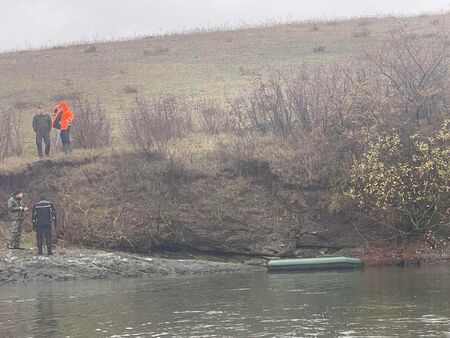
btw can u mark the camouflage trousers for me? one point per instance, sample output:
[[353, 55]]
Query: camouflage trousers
[[16, 233]]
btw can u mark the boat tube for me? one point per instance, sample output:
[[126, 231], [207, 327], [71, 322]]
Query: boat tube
[[322, 263]]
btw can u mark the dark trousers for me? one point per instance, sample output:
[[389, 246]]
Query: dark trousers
[[44, 233], [65, 140], [43, 137]]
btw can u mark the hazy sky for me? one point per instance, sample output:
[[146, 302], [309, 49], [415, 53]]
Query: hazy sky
[[33, 23]]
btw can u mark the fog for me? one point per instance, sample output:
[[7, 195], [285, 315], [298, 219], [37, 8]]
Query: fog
[[34, 23]]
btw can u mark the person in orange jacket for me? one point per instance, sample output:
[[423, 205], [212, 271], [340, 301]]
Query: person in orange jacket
[[62, 120]]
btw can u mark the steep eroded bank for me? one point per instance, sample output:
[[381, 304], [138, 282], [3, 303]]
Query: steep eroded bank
[[136, 203]]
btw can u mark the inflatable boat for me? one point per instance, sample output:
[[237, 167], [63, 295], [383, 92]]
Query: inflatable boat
[[323, 263]]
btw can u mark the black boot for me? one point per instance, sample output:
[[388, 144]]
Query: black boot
[[39, 251], [49, 251]]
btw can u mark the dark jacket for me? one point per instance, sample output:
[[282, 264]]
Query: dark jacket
[[42, 124], [43, 214], [14, 208]]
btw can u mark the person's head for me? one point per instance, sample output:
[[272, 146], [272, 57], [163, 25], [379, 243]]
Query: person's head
[[42, 198], [57, 110], [40, 109], [18, 194]]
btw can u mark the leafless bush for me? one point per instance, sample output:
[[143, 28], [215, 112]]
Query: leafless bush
[[435, 22], [157, 121], [316, 97], [90, 49], [21, 105], [10, 134], [91, 126], [237, 154], [314, 28], [363, 22], [332, 22], [68, 82], [319, 49], [157, 50], [265, 108], [364, 33], [130, 89], [211, 116], [249, 71], [415, 72]]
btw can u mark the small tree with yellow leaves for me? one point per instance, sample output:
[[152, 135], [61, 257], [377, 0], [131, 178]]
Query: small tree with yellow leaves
[[404, 182]]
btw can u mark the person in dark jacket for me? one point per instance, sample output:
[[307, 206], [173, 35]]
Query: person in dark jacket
[[16, 212], [43, 215], [42, 125]]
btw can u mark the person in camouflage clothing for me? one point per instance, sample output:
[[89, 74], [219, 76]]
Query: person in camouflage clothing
[[16, 211]]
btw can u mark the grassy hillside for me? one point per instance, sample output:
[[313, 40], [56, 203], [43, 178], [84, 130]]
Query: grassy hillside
[[209, 64]]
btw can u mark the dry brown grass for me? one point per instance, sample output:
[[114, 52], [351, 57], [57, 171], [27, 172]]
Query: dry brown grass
[[205, 64]]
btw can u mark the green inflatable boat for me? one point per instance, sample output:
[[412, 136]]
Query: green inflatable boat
[[322, 263]]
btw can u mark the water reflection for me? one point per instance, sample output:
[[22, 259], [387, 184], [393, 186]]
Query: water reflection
[[377, 302], [44, 316]]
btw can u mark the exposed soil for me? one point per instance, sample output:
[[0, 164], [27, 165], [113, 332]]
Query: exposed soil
[[25, 265]]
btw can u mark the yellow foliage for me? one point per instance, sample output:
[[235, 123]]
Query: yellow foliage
[[411, 179]]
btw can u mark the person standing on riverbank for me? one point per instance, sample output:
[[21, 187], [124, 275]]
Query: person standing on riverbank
[[42, 125], [43, 215], [62, 121], [16, 211]]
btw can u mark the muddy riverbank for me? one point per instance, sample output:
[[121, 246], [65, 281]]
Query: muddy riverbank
[[25, 265]]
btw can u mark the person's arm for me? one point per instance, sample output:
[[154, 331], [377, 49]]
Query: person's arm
[[53, 209], [49, 123], [70, 119], [34, 123], [13, 207], [33, 217]]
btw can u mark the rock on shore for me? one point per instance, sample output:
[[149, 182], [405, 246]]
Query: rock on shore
[[22, 266]]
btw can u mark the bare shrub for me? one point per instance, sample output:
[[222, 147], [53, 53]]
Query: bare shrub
[[91, 126], [415, 72], [364, 33], [21, 105], [130, 89], [363, 22], [435, 22], [157, 50], [237, 154], [332, 22], [265, 107], [319, 49], [315, 97], [10, 134], [314, 28], [68, 82], [211, 116], [335, 83], [157, 121], [90, 49], [249, 71]]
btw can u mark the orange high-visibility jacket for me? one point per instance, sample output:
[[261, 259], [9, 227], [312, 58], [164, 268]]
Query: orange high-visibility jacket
[[62, 117]]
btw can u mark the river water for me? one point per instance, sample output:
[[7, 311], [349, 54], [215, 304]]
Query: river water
[[377, 302]]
